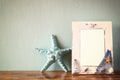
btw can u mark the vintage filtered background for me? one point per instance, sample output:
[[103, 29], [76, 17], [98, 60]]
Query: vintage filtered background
[[27, 24]]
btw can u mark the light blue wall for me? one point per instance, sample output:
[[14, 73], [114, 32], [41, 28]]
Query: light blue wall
[[27, 24]]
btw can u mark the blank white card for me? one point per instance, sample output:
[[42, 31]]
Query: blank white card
[[91, 47]]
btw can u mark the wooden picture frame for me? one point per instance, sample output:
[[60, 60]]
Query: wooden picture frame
[[92, 49]]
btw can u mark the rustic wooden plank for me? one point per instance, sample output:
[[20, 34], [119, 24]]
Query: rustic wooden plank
[[54, 75]]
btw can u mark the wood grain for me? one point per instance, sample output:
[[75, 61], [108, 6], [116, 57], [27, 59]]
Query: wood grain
[[55, 75]]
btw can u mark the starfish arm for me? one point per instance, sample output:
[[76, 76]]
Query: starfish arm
[[67, 50], [43, 51], [47, 65], [62, 65], [54, 41]]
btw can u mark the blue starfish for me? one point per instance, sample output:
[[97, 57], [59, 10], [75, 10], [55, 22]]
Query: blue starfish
[[54, 54]]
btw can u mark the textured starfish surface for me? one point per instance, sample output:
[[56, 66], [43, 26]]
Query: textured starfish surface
[[54, 54]]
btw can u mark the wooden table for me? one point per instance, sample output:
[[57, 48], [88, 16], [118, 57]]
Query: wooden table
[[53, 75]]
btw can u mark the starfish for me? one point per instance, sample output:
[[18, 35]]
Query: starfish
[[108, 60], [54, 54]]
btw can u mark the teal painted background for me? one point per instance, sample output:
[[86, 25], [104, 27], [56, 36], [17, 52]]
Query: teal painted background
[[27, 24]]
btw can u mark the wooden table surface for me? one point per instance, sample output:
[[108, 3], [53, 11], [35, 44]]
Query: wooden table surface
[[53, 75]]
